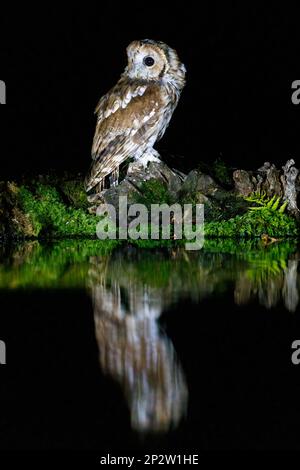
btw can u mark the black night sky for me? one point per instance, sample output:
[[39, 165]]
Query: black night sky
[[241, 62]]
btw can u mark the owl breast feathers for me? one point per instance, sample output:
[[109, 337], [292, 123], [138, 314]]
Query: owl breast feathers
[[135, 113]]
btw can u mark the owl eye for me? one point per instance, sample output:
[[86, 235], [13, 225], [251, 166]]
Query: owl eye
[[148, 61]]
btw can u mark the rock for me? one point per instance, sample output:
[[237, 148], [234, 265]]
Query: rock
[[288, 179], [125, 188], [14, 223], [137, 174], [133, 184], [243, 182], [271, 181], [196, 181]]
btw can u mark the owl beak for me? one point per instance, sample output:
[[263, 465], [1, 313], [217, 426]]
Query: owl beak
[[139, 71]]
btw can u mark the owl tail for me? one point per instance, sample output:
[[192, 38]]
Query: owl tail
[[95, 183], [96, 179]]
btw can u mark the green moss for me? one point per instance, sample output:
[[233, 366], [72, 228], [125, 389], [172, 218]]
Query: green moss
[[219, 171], [51, 217], [222, 206], [255, 224], [75, 193], [153, 192]]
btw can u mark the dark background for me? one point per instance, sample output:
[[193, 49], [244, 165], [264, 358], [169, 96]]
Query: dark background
[[241, 62]]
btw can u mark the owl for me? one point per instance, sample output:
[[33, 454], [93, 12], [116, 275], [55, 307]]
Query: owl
[[135, 113]]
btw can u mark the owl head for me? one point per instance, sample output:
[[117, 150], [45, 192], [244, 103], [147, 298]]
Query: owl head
[[154, 61]]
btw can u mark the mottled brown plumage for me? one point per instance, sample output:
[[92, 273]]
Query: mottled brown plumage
[[134, 114]]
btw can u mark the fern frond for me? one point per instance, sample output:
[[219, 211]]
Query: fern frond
[[263, 202], [283, 207]]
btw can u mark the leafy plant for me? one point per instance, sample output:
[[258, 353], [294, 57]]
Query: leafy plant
[[266, 203]]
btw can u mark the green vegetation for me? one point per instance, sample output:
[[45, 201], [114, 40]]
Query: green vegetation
[[219, 171], [153, 192], [56, 208], [265, 203], [255, 224], [74, 192], [227, 215], [50, 217], [267, 216]]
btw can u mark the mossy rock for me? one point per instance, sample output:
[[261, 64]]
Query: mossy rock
[[36, 209], [75, 193], [14, 222]]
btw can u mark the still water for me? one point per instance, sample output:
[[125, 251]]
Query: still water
[[149, 349]]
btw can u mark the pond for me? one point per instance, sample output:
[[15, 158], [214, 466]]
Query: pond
[[149, 349]]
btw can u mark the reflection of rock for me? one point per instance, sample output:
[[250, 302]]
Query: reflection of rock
[[136, 353], [269, 291], [290, 291], [243, 290], [269, 286]]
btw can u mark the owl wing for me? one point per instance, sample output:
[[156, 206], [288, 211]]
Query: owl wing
[[125, 122]]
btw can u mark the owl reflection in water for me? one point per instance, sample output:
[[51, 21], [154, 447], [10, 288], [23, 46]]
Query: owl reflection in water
[[135, 113]]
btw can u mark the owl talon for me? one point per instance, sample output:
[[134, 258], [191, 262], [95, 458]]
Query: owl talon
[[147, 158], [114, 178]]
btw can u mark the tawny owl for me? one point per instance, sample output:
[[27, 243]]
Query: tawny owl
[[135, 113]]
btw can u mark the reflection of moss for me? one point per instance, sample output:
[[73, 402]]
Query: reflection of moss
[[63, 264], [67, 263]]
